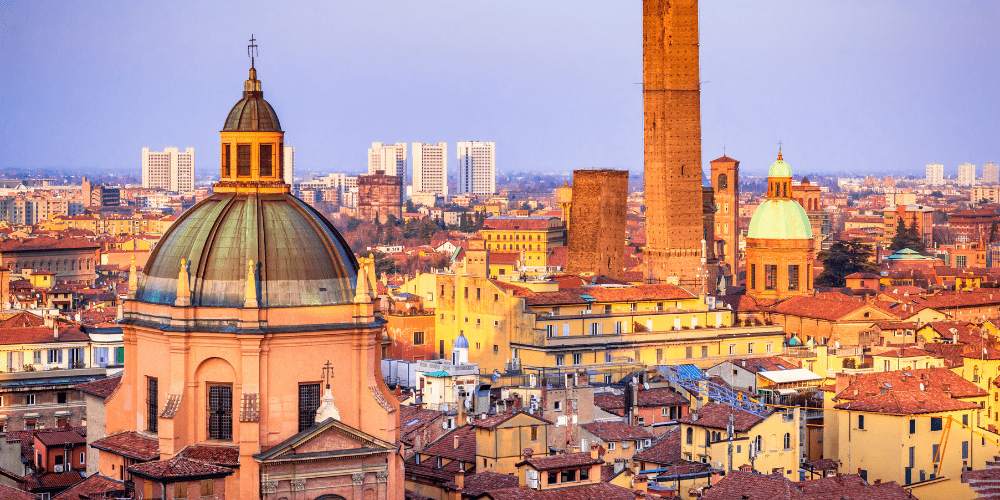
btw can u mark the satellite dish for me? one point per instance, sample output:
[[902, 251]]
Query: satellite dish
[[921, 386], [645, 385], [836, 343]]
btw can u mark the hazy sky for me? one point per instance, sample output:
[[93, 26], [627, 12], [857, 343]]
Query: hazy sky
[[849, 86]]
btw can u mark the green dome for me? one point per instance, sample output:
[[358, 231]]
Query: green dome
[[779, 169], [781, 219]]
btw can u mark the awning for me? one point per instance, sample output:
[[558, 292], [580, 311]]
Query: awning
[[786, 392]]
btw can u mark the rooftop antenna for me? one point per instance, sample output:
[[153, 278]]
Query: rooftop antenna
[[252, 49]]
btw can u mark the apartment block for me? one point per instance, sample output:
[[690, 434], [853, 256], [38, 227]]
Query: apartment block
[[476, 167], [170, 169], [430, 168]]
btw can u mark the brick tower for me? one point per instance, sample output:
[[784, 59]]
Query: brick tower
[[726, 185], [597, 236], [672, 136]]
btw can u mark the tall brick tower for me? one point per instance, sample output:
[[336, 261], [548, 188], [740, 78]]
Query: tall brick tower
[[597, 236], [726, 184], [672, 136]]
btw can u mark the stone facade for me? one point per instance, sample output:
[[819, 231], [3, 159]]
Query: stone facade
[[379, 194], [672, 132], [597, 240]]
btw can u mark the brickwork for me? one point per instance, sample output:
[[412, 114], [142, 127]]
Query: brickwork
[[379, 194], [726, 185], [597, 237], [672, 132]]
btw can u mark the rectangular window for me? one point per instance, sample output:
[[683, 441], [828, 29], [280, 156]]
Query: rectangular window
[[61, 397], [913, 428], [704, 351], [934, 452], [418, 338], [753, 276], [595, 328], [55, 356], [220, 412], [76, 358], [534, 433], [550, 330], [861, 421], [553, 478], [912, 456], [243, 153], [793, 277], [466, 292], [965, 449], [152, 403], [560, 359], [225, 163], [308, 404], [479, 294], [732, 349], [770, 277], [577, 359], [266, 161], [584, 474], [687, 352], [935, 423], [180, 490], [29, 399], [568, 476], [750, 348], [101, 356]]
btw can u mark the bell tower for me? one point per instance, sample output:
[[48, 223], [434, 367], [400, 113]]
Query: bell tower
[[726, 186]]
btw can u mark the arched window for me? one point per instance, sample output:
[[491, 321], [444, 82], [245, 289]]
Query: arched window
[[690, 436], [723, 182], [788, 441]]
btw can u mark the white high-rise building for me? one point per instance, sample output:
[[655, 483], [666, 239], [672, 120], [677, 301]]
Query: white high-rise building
[[289, 153], [966, 174], [477, 173], [991, 173], [935, 174], [390, 158], [169, 169], [430, 168]]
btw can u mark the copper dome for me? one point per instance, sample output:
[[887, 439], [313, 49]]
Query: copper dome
[[252, 114]]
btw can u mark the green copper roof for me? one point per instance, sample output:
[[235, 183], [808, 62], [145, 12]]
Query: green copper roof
[[300, 259], [779, 169], [907, 254], [781, 219], [438, 374]]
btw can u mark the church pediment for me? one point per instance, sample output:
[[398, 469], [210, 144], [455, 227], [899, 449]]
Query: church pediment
[[328, 438]]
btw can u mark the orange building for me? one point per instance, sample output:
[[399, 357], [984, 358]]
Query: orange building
[[779, 241], [252, 342], [726, 183]]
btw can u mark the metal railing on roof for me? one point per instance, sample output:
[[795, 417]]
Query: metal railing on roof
[[716, 392]]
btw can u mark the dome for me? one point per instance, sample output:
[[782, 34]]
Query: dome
[[779, 169], [461, 342], [782, 219], [252, 114], [300, 258]]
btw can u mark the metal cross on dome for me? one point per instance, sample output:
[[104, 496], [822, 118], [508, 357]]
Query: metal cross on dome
[[252, 49], [327, 372]]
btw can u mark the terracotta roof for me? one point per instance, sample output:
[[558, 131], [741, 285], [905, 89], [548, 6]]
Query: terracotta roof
[[444, 446], [504, 258], [481, 482], [101, 388], [443, 476], [20, 319], [616, 431], [862, 276], [9, 493], [492, 421], [905, 352], [40, 244], [41, 335], [412, 419], [130, 444], [94, 485], [563, 461], [926, 380], [228, 456], [907, 403], [59, 438], [636, 293], [666, 449], [178, 469], [827, 308], [59, 479], [660, 396], [599, 491], [716, 416], [517, 223]]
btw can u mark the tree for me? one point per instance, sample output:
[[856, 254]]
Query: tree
[[844, 258], [907, 237], [383, 264], [409, 206], [937, 194], [525, 206]]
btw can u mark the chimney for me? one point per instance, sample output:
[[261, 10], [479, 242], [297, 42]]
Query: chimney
[[527, 453], [456, 443], [639, 483], [595, 452], [55, 330], [460, 481]]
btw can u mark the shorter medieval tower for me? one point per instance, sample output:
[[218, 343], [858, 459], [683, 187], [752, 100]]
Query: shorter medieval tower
[[597, 238]]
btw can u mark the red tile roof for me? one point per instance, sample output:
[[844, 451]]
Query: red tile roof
[[481, 482], [830, 307], [8, 493], [768, 364], [178, 469], [444, 446], [504, 258], [926, 380], [413, 419], [216, 455], [96, 486], [563, 461], [101, 388], [599, 491], [666, 450], [59, 479], [656, 397], [59, 438], [130, 444], [634, 293], [716, 416], [493, 421], [41, 335], [907, 403], [616, 431], [41, 244]]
